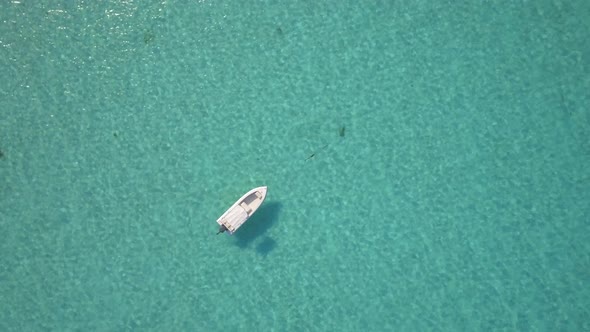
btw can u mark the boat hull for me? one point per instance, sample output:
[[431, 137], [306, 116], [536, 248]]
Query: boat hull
[[242, 210]]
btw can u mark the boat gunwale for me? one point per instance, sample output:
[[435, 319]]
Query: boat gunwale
[[263, 190]]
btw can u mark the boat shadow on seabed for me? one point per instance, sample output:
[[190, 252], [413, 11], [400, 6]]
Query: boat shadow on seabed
[[257, 225]]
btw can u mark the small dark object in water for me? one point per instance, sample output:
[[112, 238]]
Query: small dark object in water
[[313, 154], [148, 37], [115, 134], [222, 229], [342, 131], [279, 30], [1, 154]]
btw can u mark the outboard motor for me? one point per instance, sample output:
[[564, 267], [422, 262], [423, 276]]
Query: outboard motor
[[222, 229]]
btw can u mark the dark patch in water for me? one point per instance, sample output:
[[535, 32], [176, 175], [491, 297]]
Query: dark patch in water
[[266, 216], [148, 37], [266, 246]]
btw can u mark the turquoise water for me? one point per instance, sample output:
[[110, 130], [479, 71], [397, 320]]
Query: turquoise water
[[427, 165]]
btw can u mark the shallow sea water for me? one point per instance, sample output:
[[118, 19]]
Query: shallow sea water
[[427, 166]]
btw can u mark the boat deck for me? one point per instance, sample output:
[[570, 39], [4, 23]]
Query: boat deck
[[235, 218], [242, 209]]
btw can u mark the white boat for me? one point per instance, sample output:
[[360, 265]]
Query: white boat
[[243, 209]]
